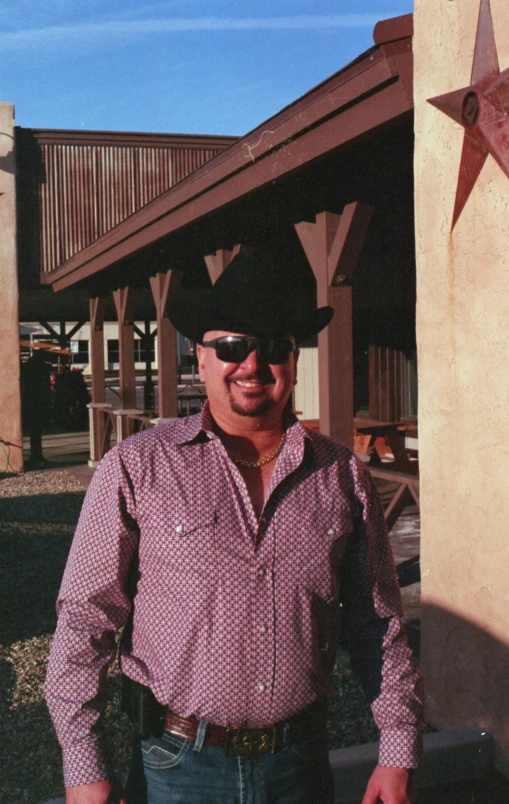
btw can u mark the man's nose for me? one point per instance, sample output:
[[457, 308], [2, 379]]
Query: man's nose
[[252, 361]]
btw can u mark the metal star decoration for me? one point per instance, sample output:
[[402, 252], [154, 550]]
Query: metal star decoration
[[482, 109]]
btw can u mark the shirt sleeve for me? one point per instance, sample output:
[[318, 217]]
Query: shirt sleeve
[[92, 605], [372, 617]]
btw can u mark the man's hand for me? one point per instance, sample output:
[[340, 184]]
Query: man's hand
[[95, 793], [391, 786]]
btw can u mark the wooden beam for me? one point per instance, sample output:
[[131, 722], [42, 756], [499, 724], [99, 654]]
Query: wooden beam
[[74, 330], [50, 330], [164, 287], [216, 263], [332, 245], [348, 241], [125, 302], [399, 502]]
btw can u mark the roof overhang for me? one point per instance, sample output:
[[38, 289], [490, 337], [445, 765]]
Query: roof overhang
[[368, 93], [60, 136]]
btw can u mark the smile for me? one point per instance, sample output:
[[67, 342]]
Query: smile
[[248, 383]]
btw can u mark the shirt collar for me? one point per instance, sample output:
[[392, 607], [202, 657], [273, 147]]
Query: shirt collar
[[190, 428]]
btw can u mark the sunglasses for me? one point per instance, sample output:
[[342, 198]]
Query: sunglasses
[[235, 348]]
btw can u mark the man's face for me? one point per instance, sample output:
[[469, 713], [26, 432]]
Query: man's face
[[253, 388]]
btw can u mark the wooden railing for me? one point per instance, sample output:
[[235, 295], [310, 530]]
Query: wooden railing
[[406, 493], [104, 422], [141, 421], [403, 487]]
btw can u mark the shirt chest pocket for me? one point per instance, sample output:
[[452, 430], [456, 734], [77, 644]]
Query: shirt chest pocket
[[323, 542], [190, 546]]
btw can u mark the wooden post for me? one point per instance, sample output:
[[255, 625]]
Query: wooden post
[[97, 307], [332, 245], [164, 287], [125, 300], [147, 339], [148, 390]]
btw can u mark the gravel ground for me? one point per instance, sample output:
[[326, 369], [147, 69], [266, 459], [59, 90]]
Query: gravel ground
[[38, 514]]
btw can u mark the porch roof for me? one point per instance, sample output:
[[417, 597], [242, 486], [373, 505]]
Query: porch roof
[[370, 92]]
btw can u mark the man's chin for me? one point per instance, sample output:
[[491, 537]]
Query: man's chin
[[253, 408]]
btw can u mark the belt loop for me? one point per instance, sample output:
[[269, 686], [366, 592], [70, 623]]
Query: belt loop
[[286, 732], [200, 736]]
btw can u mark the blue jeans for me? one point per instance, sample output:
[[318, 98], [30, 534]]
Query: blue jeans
[[173, 770]]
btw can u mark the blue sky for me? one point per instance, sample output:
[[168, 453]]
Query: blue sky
[[190, 66]]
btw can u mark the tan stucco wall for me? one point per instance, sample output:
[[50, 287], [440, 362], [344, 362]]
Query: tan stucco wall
[[10, 413], [463, 353]]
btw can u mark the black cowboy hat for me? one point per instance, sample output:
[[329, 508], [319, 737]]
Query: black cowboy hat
[[253, 297]]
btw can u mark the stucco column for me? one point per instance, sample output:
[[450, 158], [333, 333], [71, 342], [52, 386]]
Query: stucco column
[[11, 445], [463, 354]]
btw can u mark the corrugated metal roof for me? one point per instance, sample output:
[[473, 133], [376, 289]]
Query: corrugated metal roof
[[73, 187]]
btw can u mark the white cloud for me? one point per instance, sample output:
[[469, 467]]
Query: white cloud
[[56, 35]]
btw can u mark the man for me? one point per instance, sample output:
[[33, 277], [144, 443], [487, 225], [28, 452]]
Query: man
[[254, 541], [36, 403]]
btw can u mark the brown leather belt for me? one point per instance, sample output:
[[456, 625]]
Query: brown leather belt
[[250, 741]]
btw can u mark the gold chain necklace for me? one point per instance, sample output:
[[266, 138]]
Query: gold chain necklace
[[261, 461]]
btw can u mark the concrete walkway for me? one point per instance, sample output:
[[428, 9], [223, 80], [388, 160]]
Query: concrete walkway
[[55, 446], [65, 451]]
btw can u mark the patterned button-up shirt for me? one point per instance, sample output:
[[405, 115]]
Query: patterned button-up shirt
[[235, 620]]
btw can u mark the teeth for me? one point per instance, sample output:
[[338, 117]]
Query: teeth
[[246, 384]]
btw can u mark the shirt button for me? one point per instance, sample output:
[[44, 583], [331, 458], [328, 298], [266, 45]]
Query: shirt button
[[179, 528], [261, 571], [263, 629], [262, 687], [331, 531]]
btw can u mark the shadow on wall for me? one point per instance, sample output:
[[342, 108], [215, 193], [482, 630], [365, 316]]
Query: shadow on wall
[[466, 672], [7, 163]]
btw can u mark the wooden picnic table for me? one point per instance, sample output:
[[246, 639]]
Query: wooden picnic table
[[367, 433], [370, 431]]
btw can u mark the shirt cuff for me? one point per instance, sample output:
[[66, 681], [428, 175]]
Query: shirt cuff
[[401, 748], [84, 763]]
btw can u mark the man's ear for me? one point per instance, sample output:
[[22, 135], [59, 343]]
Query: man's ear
[[296, 354], [200, 354]]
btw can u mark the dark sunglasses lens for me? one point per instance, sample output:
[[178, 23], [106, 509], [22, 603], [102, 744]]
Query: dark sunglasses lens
[[280, 351], [236, 349], [232, 351], [264, 350], [275, 352]]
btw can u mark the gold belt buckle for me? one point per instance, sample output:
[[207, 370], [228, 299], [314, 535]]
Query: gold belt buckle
[[250, 742]]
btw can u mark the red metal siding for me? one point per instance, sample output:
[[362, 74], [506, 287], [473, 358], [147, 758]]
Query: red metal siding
[[385, 383], [82, 189], [185, 161]]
